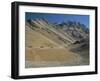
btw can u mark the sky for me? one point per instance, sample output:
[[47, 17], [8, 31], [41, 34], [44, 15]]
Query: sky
[[59, 18]]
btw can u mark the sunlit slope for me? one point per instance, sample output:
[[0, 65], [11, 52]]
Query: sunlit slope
[[42, 51]]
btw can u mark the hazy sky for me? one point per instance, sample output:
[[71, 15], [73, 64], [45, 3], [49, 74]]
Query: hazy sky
[[58, 18]]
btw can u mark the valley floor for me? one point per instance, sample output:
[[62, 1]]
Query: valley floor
[[51, 57]]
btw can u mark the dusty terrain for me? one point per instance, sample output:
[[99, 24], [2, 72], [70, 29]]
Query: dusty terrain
[[44, 49]]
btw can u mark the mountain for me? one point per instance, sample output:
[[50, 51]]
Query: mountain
[[66, 33], [66, 43]]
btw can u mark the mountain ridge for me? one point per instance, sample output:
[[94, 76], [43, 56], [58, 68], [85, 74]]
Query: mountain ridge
[[71, 34]]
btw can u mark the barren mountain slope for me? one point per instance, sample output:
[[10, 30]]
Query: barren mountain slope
[[43, 52], [49, 44]]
